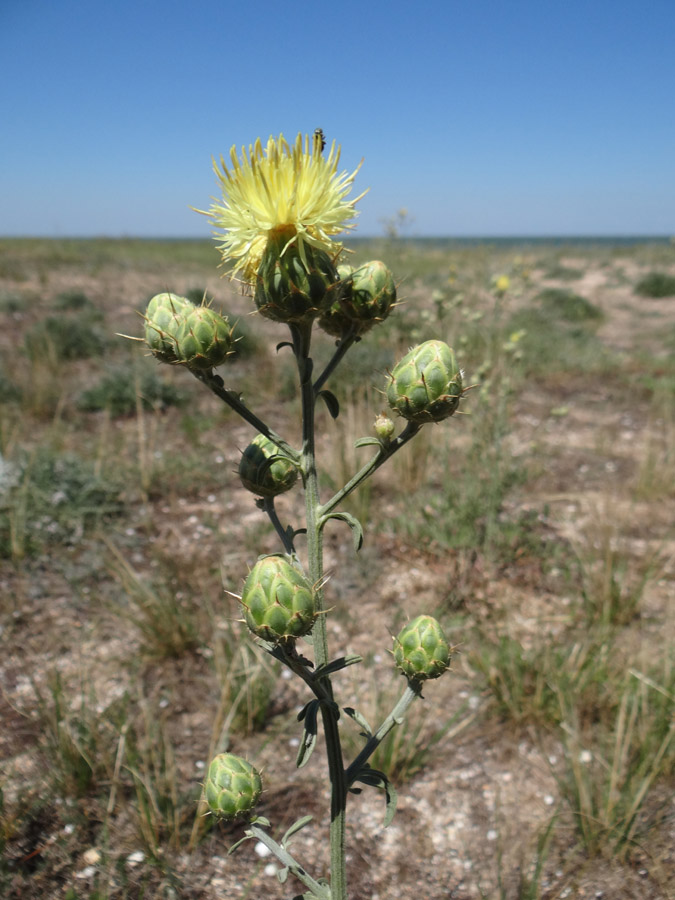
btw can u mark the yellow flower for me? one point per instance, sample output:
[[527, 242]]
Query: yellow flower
[[295, 191]]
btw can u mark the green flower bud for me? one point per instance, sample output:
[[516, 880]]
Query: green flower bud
[[426, 384], [204, 339], [163, 319], [292, 286], [366, 298], [278, 600], [232, 787], [384, 428], [421, 650], [264, 471]]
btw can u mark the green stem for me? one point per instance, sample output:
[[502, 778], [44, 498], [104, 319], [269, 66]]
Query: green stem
[[285, 538], [395, 717], [284, 857], [343, 345], [382, 455], [215, 384], [301, 343]]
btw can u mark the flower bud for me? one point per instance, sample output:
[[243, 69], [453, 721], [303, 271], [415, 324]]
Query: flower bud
[[264, 471], [204, 339], [163, 319], [232, 787], [366, 297], [426, 384], [278, 600], [384, 428], [421, 650], [294, 286]]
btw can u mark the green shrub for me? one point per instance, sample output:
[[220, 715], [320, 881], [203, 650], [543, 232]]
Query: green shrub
[[51, 498], [9, 392], [63, 338], [569, 306], [119, 393], [656, 285], [73, 299]]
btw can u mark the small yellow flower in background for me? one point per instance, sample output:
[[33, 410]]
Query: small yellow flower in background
[[502, 284], [281, 189]]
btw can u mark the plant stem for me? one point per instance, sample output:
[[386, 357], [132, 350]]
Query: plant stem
[[215, 384], [342, 346], [394, 718], [301, 344], [284, 537], [318, 890], [382, 455]]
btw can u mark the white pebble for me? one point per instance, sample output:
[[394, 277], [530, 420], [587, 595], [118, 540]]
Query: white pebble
[[136, 857], [270, 870], [262, 850], [89, 872], [491, 835]]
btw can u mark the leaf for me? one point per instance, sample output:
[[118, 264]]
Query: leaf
[[282, 875], [360, 720], [247, 837], [367, 442], [308, 741], [331, 401], [352, 521], [336, 665], [295, 827], [375, 778]]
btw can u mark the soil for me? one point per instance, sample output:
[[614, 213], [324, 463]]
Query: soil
[[468, 821]]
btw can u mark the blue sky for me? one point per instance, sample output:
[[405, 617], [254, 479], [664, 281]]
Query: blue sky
[[481, 118]]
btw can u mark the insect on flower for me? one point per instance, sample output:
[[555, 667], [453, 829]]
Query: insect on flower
[[320, 138]]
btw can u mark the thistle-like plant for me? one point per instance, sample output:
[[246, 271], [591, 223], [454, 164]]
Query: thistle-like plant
[[281, 207]]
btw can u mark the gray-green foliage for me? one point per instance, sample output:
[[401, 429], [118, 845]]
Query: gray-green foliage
[[49, 497], [120, 394], [64, 338], [656, 285]]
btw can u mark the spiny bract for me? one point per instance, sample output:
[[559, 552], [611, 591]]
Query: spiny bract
[[295, 283], [163, 318], [232, 787], [264, 471], [426, 385], [421, 650], [366, 297], [278, 600], [204, 338]]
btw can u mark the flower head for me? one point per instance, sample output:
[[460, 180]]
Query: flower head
[[295, 191]]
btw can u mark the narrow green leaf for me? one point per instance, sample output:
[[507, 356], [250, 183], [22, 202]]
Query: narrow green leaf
[[308, 742], [295, 827], [360, 720], [247, 837], [367, 442], [352, 521], [282, 875], [336, 665]]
